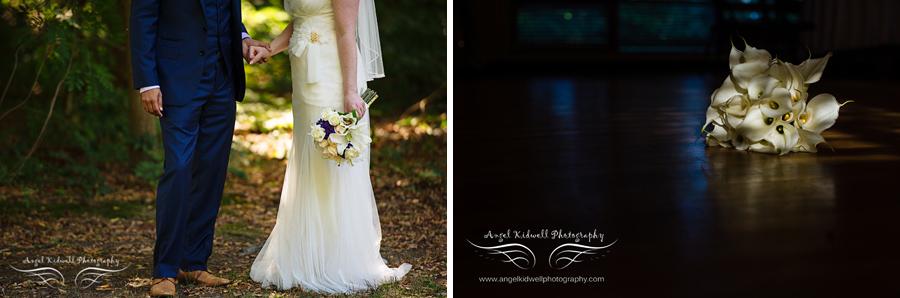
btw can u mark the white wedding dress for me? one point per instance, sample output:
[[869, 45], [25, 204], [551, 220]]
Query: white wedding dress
[[327, 234]]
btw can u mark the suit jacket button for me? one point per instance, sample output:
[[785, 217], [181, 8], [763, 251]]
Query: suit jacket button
[[202, 53]]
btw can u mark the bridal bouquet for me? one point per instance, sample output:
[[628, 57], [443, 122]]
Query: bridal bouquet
[[340, 136], [762, 105]]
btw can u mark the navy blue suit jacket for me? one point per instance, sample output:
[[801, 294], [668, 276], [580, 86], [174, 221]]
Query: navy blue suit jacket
[[167, 37]]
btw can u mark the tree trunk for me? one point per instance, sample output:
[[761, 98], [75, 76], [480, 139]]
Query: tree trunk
[[142, 125], [141, 122]]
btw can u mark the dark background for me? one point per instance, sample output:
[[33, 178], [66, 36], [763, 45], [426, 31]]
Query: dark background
[[583, 115], [536, 35]]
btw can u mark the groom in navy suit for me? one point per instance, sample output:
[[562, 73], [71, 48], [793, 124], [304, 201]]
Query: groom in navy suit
[[186, 60]]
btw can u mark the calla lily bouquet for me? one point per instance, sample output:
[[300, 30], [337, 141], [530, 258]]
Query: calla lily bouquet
[[340, 136], [762, 105]]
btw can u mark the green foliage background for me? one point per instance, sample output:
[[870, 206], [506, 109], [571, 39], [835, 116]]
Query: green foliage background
[[89, 125], [413, 42], [88, 132]]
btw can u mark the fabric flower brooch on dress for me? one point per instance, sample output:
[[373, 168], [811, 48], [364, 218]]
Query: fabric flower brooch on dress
[[762, 105], [340, 136]]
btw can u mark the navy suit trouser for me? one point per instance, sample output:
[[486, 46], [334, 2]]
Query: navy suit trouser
[[197, 141]]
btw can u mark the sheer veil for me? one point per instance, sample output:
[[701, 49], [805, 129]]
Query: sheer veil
[[368, 41]]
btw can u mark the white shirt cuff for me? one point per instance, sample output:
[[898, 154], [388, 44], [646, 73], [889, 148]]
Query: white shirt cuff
[[149, 88], [244, 35]]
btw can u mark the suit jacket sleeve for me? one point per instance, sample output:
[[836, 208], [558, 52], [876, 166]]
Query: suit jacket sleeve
[[143, 25]]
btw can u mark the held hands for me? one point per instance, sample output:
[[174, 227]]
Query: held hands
[[152, 100], [259, 53], [248, 43], [352, 101]]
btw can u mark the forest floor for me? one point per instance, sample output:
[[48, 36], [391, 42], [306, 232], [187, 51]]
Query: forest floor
[[43, 227]]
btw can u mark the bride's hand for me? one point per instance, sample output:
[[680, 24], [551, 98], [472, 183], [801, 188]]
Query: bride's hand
[[259, 53], [354, 102]]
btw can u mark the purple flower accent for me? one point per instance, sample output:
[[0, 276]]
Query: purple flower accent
[[326, 126]]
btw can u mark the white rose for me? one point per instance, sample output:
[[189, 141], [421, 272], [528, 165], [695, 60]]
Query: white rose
[[351, 153], [327, 112], [318, 134], [330, 151], [334, 119]]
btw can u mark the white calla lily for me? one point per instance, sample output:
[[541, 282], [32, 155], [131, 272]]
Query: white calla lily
[[714, 116], [725, 92], [821, 113], [735, 57], [718, 136], [359, 137], [798, 96], [752, 54], [812, 69], [762, 146], [749, 54], [788, 77], [761, 86], [792, 117], [712, 142], [340, 140], [736, 109], [740, 143], [779, 71], [808, 141], [744, 72], [756, 125], [778, 104], [784, 138], [797, 81]]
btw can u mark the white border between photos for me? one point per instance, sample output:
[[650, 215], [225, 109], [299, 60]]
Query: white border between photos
[[450, 148]]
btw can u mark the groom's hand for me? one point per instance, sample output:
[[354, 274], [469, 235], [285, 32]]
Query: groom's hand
[[152, 100], [258, 54], [249, 42]]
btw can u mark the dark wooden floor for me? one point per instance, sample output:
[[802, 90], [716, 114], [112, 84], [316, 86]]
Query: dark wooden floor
[[622, 154]]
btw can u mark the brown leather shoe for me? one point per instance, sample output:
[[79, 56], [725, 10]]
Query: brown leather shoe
[[162, 287], [203, 278]]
